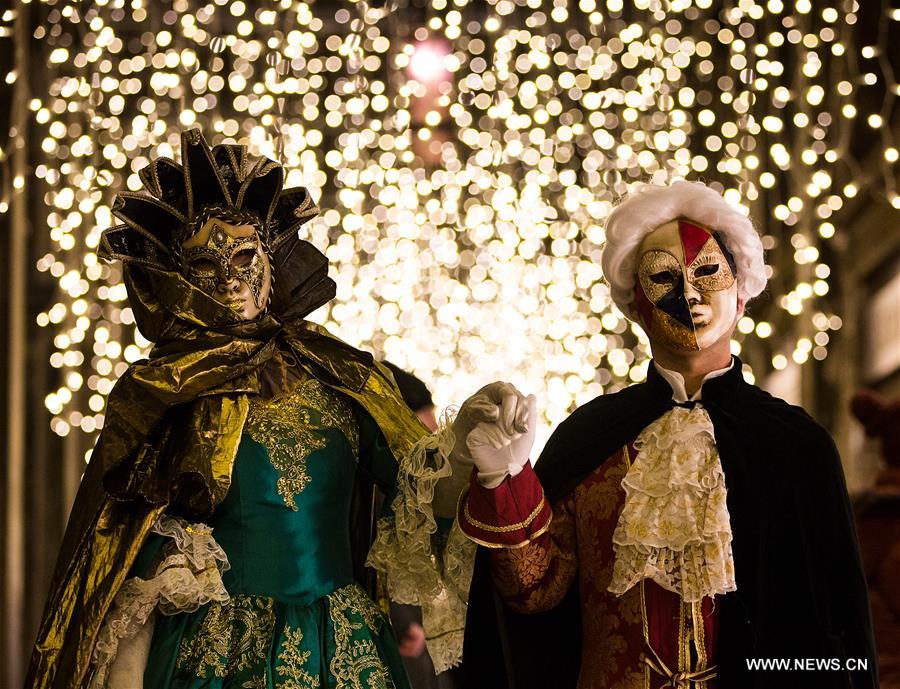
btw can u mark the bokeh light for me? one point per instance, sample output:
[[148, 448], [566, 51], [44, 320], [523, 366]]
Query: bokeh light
[[427, 63], [465, 156]]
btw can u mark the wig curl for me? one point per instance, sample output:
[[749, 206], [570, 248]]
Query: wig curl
[[648, 206]]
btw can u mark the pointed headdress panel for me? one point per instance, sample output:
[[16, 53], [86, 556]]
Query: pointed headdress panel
[[155, 222]]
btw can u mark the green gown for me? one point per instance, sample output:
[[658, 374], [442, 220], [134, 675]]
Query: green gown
[[296, 619]]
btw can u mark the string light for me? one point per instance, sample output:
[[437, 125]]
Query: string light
[[466, 158]]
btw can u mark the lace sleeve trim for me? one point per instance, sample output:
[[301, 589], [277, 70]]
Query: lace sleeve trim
[[188, 576], [406, 549]]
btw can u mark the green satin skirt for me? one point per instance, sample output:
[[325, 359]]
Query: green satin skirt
[[340, 641]]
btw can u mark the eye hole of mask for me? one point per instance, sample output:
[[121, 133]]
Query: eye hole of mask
[[203, 266], [664, 277], [243, 258], [707, 270]]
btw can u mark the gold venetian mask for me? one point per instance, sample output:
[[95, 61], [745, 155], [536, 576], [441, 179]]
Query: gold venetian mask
[[228, 262], [686, 292]]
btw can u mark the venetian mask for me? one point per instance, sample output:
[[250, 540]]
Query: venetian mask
[[229, 263], [686, 292]]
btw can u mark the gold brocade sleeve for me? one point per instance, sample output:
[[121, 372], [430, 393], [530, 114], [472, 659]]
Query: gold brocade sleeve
[[536, 576]]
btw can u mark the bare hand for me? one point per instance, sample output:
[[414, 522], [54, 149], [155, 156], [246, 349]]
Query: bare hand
[[412, 645]]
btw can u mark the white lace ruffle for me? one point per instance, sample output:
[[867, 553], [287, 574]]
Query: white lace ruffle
[[418, 573], [674, 527], [190, 575]]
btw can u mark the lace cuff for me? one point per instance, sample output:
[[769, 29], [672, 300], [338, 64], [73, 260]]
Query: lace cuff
[[189, 575], [418, 572]]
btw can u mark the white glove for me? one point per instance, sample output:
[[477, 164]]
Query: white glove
[[496, 406], [500, 444], [485, 406]]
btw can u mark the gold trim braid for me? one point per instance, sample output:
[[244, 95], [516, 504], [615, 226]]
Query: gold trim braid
[[503, 546], [503, 529]]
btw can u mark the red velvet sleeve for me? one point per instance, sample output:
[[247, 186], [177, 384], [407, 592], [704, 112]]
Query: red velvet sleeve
[[534, 562], [508, 516]]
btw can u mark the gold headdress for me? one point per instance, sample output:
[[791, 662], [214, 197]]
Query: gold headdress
[[223, 180]]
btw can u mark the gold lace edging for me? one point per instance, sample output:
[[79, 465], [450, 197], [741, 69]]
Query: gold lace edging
[[189, 576], [417, 574], [674, 526]]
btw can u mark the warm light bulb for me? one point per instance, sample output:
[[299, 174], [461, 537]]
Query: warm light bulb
[[427, 64]]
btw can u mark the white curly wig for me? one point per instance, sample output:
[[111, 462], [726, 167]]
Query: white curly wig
[[648, 206]]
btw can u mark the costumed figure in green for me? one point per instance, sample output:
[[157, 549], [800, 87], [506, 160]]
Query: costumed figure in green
[[223, 535]]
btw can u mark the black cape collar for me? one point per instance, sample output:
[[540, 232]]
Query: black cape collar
[[571, 454], [715, 390]]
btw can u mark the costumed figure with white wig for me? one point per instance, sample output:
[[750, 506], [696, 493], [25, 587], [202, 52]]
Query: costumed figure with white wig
[[686, 532], [223, 535]]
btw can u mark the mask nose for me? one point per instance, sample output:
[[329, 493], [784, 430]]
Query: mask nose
[[228, 285], [691, 294]]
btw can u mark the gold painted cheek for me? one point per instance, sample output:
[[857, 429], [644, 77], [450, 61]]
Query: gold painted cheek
[[266, 287], [256, 275], [665, 329]]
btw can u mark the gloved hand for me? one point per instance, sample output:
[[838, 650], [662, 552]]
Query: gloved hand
[[500, 422], [495, 431], [502, 448]]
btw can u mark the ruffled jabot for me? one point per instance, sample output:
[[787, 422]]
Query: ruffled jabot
[[674, 527]]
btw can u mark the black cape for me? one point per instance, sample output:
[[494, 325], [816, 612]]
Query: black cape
[[801, 592]]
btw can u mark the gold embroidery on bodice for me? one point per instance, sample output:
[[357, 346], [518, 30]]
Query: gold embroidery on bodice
[[291, 428]]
